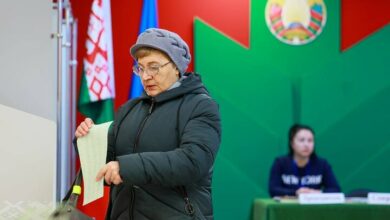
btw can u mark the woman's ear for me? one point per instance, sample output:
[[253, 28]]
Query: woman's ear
[[177, 72]]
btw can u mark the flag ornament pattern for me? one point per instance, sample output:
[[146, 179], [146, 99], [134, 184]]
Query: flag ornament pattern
[[99, 74], [295, 22]]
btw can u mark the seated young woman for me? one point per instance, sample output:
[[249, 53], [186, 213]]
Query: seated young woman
[[301, 171]]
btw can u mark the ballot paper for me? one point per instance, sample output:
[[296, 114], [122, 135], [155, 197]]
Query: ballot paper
[[92, 150]]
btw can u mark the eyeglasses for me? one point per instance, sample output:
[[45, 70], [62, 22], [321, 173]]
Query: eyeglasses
[[151, 70]]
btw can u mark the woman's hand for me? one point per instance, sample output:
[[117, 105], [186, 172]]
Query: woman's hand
[[110, 172], [84, 127], [306, 190]]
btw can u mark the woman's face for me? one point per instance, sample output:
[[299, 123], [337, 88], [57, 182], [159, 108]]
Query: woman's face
[[303, 143], [164, 79]]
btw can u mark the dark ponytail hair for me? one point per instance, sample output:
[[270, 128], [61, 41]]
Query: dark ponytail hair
[[291, 134]]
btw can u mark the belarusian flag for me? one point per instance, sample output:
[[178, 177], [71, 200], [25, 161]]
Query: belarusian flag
[[97, 86]]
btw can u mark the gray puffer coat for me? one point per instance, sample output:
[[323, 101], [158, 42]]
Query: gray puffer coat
[[166, 146]]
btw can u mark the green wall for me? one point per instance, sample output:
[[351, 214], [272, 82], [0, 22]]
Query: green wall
[[344, 96]]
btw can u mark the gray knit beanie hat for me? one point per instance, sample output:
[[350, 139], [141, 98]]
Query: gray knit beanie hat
[[167, 42]]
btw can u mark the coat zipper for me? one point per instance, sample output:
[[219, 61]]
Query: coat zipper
[[188, 207], [131, 212], [142, 126]]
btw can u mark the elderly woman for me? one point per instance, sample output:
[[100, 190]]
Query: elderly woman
[[162, 145]]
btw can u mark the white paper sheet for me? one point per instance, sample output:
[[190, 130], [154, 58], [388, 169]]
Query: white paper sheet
[[92, 150]]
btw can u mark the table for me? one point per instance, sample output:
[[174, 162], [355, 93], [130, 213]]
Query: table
[[269, 209]]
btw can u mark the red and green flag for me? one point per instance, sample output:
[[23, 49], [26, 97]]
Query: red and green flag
[[97, 90]]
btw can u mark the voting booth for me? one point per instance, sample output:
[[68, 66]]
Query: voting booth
[[36, 98]]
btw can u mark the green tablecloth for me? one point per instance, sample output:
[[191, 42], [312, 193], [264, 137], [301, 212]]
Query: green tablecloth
[[268, 209]]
